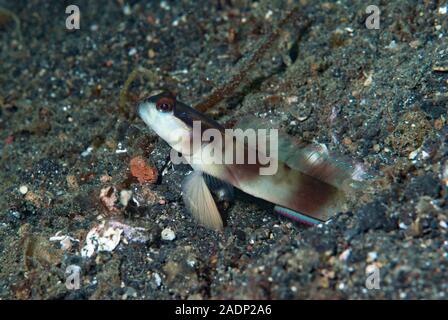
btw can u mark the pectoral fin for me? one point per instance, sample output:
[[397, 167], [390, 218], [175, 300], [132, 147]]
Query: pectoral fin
[[199, 201]]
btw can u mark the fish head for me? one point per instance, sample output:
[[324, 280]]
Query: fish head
[[158, 112]]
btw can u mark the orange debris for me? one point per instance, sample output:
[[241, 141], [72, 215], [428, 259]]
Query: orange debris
[[142, 171]]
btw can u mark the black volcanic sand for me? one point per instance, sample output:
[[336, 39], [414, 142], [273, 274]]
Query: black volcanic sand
[[378, 97]]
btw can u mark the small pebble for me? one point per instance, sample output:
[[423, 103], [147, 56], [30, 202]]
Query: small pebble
[[413, 155], [127, 10], [86, 152], [168, 234], [16, 214], [414, 44], [372, 256], [165, 6], [403, 226], [23, 190], [125, 196], [392, 45], [268, 14], [151, 54], [157, 279]]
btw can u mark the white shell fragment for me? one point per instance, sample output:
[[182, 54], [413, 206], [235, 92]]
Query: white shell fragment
[[103, 237], [168, 234], [108, 197], [64, 240], [418, 154], [132, 234]]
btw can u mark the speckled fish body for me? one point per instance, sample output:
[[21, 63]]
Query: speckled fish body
[[306, 180]]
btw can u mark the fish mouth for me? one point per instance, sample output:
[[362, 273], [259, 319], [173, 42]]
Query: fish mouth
[[144, 112], [144, 105]]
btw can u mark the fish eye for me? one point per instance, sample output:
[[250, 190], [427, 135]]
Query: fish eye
[[165, 104]]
